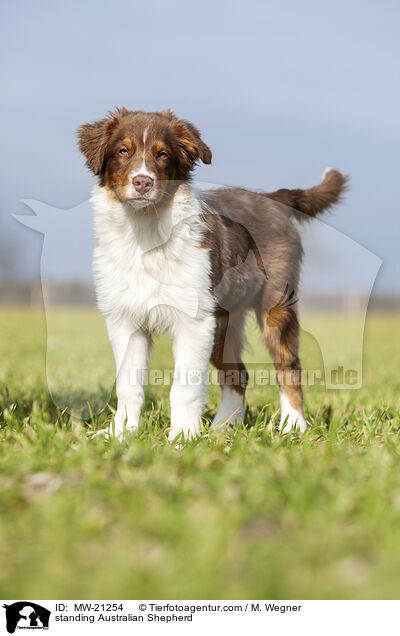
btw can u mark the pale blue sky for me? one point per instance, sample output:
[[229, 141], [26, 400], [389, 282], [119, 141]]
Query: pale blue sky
[[280, 90]]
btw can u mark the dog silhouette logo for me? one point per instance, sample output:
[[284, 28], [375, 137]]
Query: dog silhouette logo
[[26, 615]]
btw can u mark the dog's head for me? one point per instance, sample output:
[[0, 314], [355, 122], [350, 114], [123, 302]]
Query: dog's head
[[141, 157]]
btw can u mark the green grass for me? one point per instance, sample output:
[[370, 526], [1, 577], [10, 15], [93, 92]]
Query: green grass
[[255, 514]]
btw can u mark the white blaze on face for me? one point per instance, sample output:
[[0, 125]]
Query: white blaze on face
[[143, 168], [144, 146]]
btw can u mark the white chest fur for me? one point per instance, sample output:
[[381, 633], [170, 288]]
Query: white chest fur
[[151, 269]]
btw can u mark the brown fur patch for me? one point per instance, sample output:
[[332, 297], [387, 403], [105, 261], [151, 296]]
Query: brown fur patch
[[127, 142], [256, 252], [316, 199], [282, 340], [226, 354]]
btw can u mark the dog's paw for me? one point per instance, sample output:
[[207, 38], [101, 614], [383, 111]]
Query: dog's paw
[[292, 418], [231, 410], [222, 425], [291, 423], [117, 429], [108, 433], [178, 433]]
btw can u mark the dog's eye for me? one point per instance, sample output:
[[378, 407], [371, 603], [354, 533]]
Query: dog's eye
[[123, 151], [163, 154]]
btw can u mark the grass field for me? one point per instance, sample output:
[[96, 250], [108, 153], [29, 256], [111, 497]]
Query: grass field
[[251, 515]]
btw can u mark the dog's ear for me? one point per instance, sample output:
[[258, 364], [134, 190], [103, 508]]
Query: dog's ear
[[191, 146], [93, 140]]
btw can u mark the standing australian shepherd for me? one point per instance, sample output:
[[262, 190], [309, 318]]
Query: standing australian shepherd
[[169, 259]]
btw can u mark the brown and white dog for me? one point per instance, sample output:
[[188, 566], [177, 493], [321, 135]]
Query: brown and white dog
[[169, 259]]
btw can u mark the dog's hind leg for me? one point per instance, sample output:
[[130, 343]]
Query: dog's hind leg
[[280, 330], [232, 374]]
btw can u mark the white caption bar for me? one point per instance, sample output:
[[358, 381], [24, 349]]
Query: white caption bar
[[194, 617]]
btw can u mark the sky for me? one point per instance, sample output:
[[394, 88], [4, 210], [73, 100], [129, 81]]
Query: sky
[[279, 89]]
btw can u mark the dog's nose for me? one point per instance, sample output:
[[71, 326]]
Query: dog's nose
[[142, 183]]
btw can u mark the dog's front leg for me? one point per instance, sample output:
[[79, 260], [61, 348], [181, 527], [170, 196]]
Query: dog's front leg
[[131, 348], [192, 346]]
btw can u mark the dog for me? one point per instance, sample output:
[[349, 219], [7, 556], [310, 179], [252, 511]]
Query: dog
[[170, 259]]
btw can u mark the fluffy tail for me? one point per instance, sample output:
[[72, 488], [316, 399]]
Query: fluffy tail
[[316, 199]]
